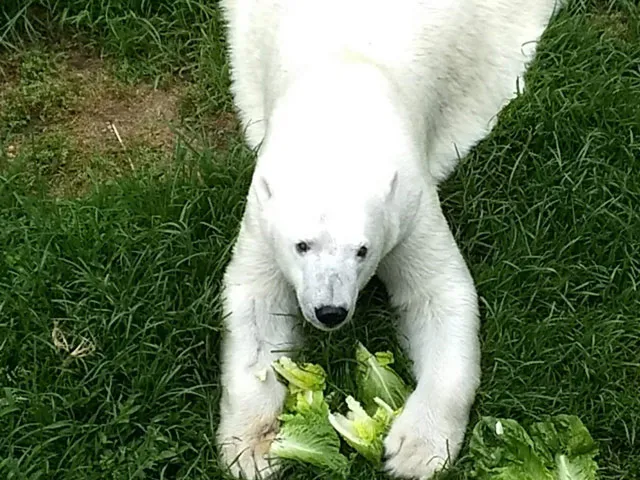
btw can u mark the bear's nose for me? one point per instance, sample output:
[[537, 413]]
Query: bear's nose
[[331, 316]]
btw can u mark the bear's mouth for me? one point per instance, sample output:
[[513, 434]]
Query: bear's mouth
[[326, 328]]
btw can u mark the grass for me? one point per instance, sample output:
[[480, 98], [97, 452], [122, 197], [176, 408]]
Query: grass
[[150, 39], [545, 210]]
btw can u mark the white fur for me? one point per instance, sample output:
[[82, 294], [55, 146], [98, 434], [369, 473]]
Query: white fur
[[360, 109]]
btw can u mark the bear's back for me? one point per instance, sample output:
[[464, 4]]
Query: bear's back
[[456, 61]]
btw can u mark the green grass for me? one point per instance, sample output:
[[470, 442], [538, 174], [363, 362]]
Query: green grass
[[153, 39], [546, 210]]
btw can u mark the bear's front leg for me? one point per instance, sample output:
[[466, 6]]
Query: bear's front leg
[[430, 285], [260, 324]]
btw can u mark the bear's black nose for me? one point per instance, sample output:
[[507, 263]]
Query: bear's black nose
[[331, 316]]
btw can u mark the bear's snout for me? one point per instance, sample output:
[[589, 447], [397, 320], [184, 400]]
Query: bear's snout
[[331, 316]]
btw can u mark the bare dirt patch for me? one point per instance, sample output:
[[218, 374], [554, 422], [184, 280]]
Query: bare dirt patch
[[140, 113], [104, 128]]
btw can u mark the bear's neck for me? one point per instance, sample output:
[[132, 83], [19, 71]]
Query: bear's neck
[[349, 113]]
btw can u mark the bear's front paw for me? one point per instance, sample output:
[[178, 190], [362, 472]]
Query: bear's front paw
[[244, 451], [418, 446]]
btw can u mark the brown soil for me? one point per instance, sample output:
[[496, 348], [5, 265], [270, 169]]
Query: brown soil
[[110, 116], [108, 122]]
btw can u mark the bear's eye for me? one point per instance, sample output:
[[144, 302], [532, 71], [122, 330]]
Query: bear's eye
[[362, 252], [302, 247]]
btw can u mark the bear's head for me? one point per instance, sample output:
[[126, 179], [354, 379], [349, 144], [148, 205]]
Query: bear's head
[[327, 241]]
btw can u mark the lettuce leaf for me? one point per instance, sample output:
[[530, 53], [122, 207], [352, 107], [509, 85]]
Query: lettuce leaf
[[309, 437], [375, 378], [558, 448], [363, 432], [307, 376], [574, 449]]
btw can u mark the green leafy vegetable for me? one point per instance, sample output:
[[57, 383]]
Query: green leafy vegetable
[[559, 448], [502, 449], [307, 376], [574, 449], [309, 432], [309, 437], [375, 378], [305, 433], [363, 432]]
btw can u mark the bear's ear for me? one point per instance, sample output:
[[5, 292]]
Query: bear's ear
[[263, 191], [391, 189]]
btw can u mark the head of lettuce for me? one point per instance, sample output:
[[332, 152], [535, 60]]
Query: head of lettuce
[[310, 433]]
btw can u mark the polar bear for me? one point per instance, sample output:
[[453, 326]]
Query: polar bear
[[358, 109]]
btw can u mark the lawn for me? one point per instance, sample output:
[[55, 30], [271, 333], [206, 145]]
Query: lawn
[[122, 182]]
